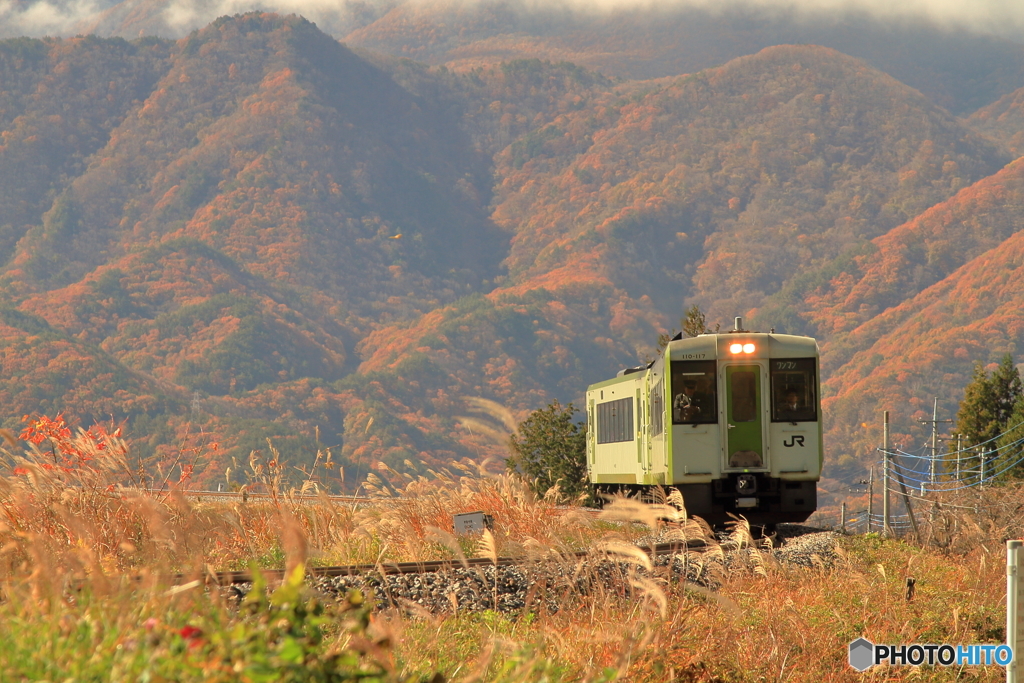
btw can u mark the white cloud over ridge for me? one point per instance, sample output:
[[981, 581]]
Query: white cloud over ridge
[[42, 18], [998, 17], [60, 17], [989, 16]]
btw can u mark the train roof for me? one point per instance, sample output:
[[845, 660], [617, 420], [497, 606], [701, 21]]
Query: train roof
[[779, 345], [716, 346], [627, 375]]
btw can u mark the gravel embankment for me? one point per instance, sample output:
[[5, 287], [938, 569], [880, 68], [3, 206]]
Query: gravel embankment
[[819, 549], [548, 585]]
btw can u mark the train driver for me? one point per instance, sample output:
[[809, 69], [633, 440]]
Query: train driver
[[792, 408], [684, 406], [694, 404]]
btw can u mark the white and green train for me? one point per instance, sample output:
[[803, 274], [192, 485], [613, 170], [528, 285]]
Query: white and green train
[[732, 420]]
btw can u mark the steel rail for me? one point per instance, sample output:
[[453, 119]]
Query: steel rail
[[261, 495], [227, 578]]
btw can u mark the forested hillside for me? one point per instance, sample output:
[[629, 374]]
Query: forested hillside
[[254, 232], [728, 184], [1003, 120], [58, 105], [924, 346], [268, 200], [957, 69]]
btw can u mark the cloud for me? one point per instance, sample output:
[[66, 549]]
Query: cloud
[[986, 16], [177, 17], [333, 16], [169, 18], [44, 17], [1003, 17]]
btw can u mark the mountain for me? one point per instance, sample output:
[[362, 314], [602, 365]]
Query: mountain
[[223, 147], [1003, 120], [650, 195], [257, 239], [957, 69], [724, 186], [59, 102], [247, 221], [922, 347], [897, 266]]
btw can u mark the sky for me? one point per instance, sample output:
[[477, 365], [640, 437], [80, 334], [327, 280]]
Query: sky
[[37, 19], [61, 17]]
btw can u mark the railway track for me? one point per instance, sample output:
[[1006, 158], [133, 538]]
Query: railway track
[[227, 578], [249, 495], [512, 585]]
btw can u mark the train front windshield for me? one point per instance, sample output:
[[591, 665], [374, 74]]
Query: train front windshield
[[694, 392], [794, 390]]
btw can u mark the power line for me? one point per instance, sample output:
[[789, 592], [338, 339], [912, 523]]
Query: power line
[[961, 483], [993, 459]]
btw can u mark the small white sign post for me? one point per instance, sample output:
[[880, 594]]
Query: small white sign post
[[1015, 608]]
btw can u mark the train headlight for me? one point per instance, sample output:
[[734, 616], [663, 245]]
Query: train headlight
[[748, 348], [736, 348]]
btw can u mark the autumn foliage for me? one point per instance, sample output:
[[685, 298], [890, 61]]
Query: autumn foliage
[[257, 238]]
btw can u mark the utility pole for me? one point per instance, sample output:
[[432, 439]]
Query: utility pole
[[842, 517], [886, 528], [984, 456], [935, 436], [871, 496], [935, 430], [906, 502], [959, 448]]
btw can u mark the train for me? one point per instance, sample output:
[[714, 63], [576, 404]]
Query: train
[[732, 420]]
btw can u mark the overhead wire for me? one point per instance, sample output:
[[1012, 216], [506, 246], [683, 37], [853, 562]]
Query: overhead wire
[[970, 477], [906, 475], [924, 480], [970, 450], [933, 501]]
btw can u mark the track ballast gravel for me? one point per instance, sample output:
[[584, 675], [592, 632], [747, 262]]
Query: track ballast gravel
[[549, 585]]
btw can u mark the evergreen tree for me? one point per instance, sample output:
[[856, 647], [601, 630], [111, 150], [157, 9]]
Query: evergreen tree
[[988, 402], [551, 448], [695, 323], [988, 408], [975, 419], [1007, 388], [1010, 451]]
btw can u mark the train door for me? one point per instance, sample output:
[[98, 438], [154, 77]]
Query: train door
[[745, 436], [645, 400], [591, 438], [643, 456]]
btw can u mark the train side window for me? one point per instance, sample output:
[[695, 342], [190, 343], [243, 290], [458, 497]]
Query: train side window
[[615, 421], [694, 392], [794, 390]]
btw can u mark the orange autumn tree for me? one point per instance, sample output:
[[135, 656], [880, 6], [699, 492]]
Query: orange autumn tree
[[84, 456], [71, 451]]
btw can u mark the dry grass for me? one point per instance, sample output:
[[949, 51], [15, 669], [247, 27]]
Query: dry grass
[[87, 524], [962, 521], [88, 517]]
